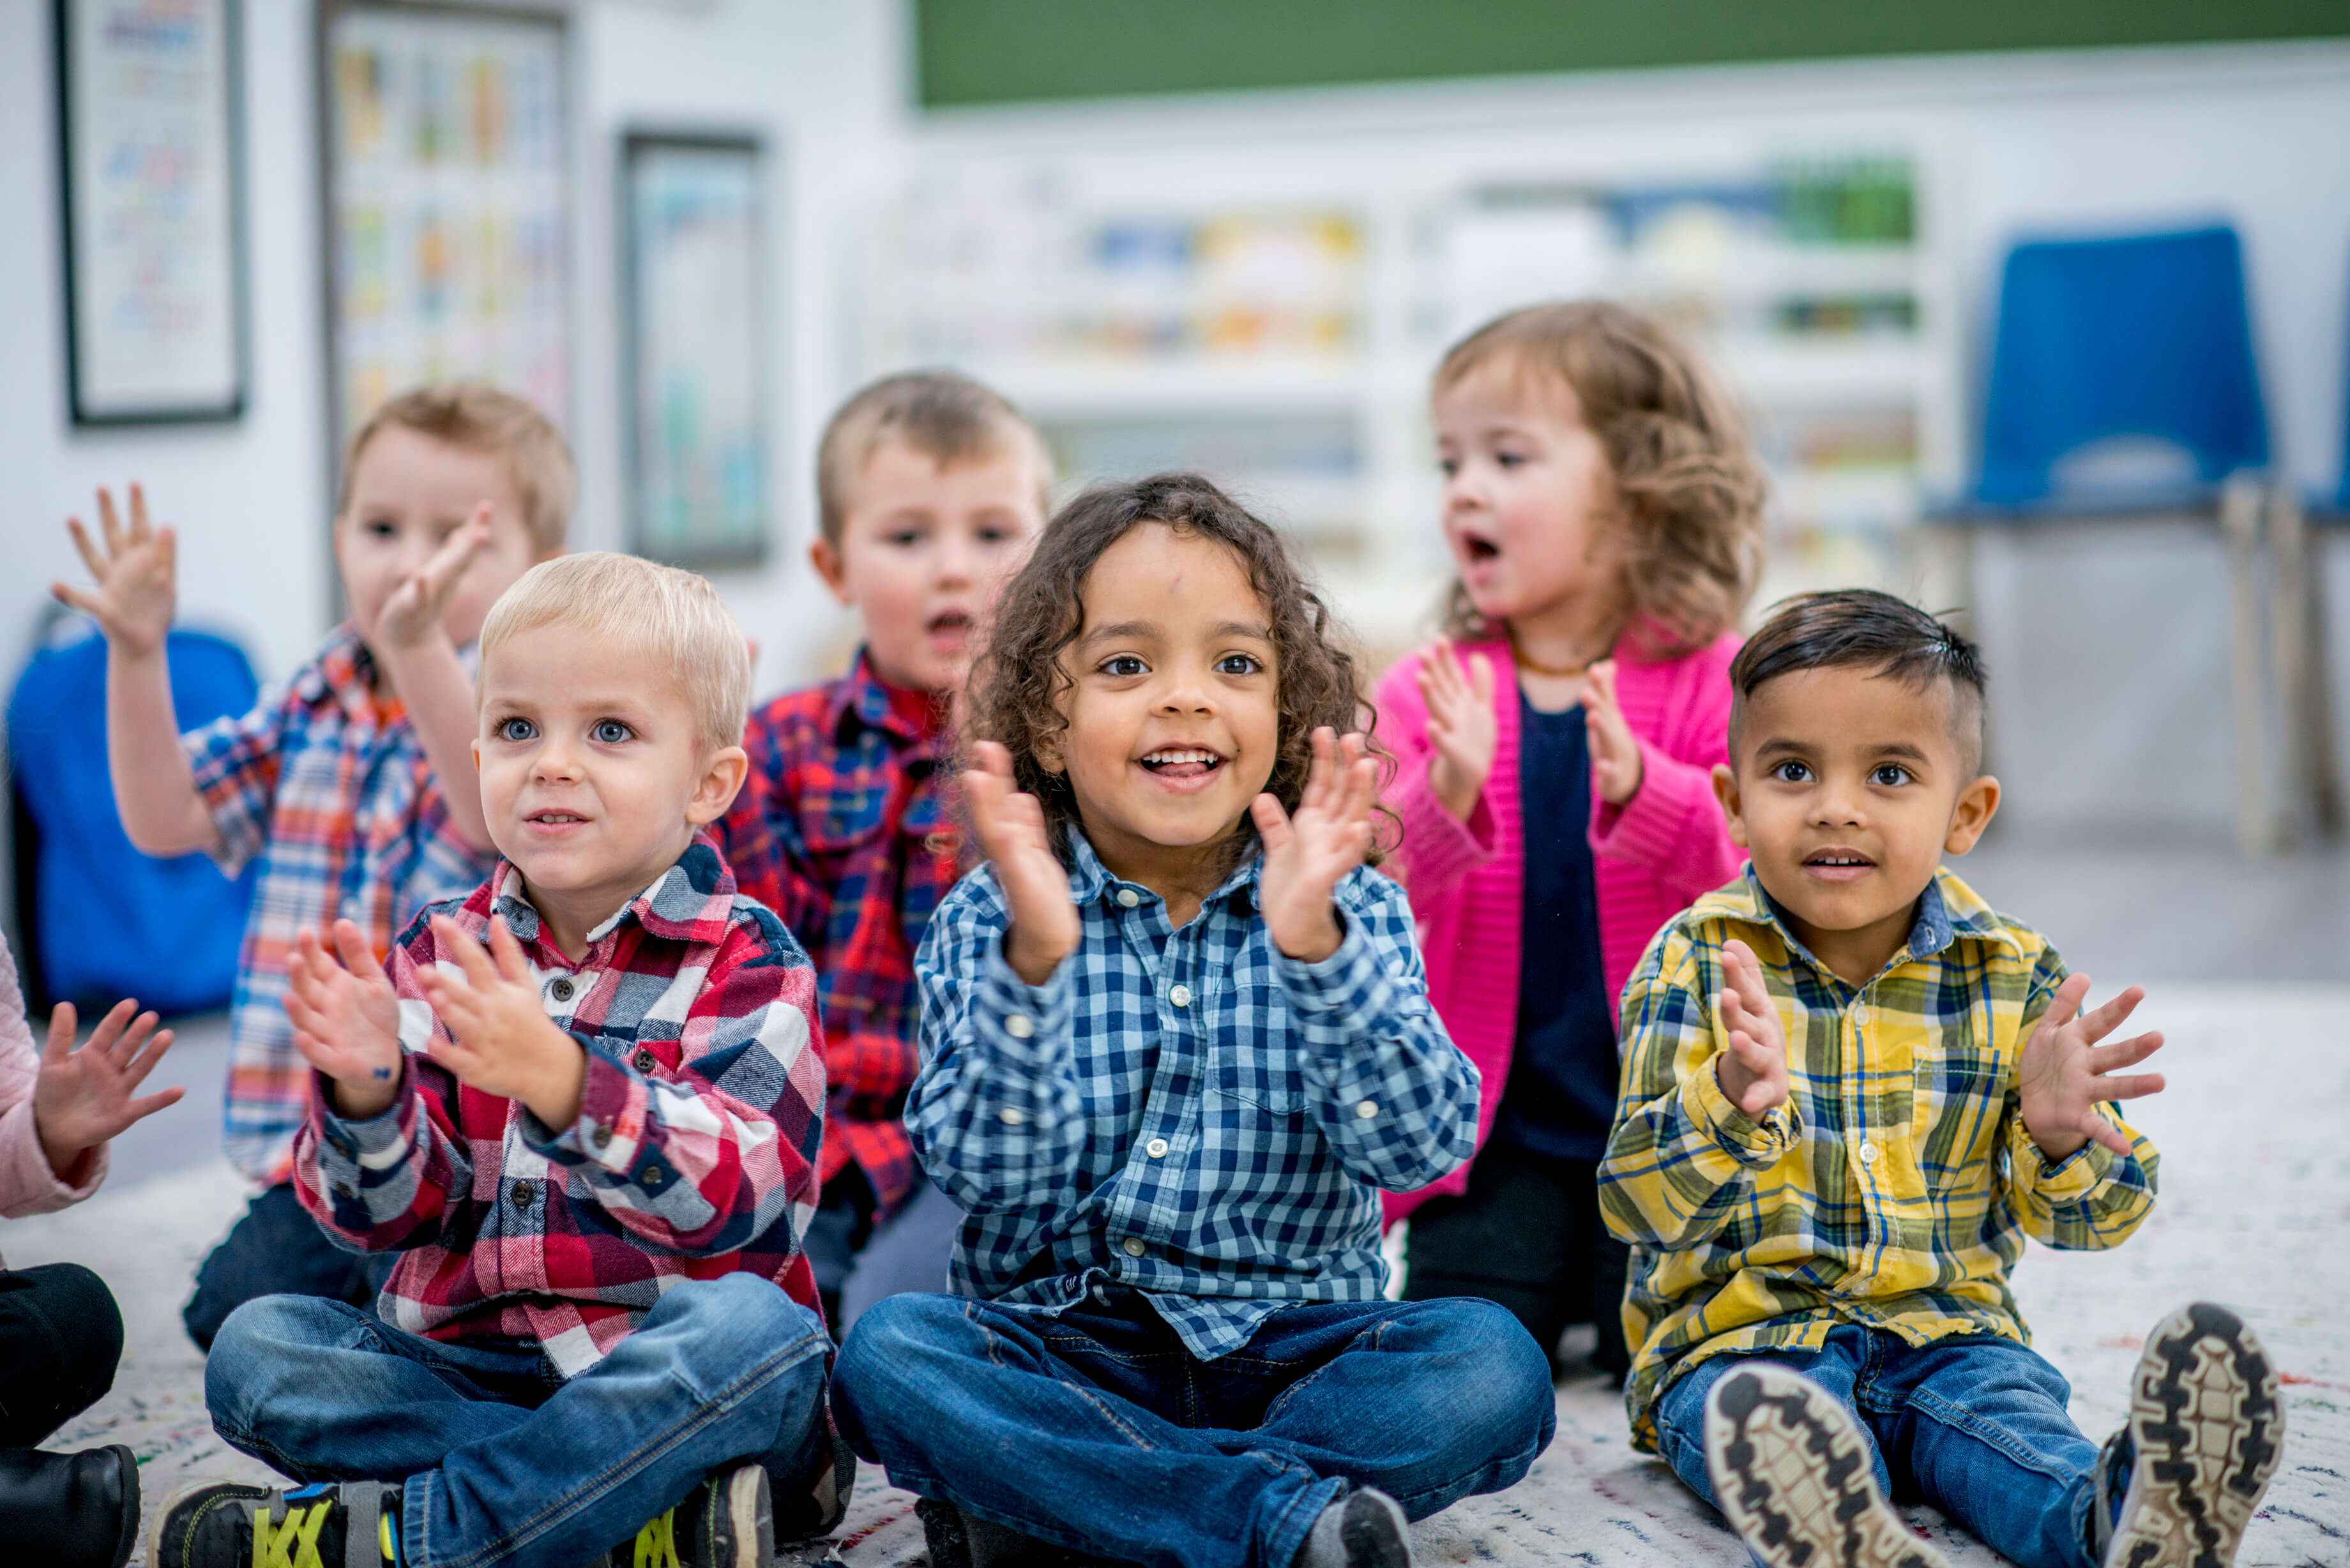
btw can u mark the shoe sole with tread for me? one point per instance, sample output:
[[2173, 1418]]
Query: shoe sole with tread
[[2208, 1429], [1790, 1468]]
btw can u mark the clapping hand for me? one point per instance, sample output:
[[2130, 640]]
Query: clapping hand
[[136, 576], [1615, 762], [2063, 1075], [1307, 851], [83, 1097], [346, 1020], [1011, 828], [1753, 1071], [412, 614], [499, 1039], [1461, 725]]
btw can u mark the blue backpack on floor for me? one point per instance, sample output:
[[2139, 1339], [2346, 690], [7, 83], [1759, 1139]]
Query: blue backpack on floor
[[102, 921]]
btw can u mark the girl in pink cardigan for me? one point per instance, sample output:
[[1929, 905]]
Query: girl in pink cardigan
[[1604, 517], [60, 1332]]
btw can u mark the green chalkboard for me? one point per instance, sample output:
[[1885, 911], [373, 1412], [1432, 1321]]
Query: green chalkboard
[[1013, 51]]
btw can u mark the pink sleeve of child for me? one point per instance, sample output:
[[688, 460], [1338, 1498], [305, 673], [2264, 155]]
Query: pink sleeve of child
[[1437, 848], [27, 1185], [1672, 827]]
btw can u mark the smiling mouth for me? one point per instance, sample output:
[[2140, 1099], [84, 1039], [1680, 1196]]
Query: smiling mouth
[[1182, 761], [556, 818], [1478, 549], [1838, 860]]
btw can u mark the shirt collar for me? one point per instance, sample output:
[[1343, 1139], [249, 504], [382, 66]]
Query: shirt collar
[[679, 904], [1090, 880], [1947, 911], [862, 701]]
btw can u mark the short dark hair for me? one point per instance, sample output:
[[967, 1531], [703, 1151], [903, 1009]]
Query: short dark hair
[[1017, 683], [1848, 629], [948, 418]]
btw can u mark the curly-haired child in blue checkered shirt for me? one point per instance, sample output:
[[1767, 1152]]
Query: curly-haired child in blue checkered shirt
[[1176, 1040]]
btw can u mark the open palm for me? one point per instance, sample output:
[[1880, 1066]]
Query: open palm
[[1307, 851], [1011, 828], [135, 576], [345, 1017]]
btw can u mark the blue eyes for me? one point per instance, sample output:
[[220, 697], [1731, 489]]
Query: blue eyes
[[517, 730], [610, 732], [603, 732]]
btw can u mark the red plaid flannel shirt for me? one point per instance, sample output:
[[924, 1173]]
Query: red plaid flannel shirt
[[842, 828], [693, 1155]]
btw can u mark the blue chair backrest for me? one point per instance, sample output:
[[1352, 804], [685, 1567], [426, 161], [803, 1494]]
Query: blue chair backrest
[[109, 921], [2144, 336]]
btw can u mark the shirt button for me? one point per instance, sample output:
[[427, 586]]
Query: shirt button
[[644, 1060], [522, 1194], [1868, 1154], [1127, 898], [1012, 1116], [1134, 1246], [562, 990], [1366, 1110], [601, 1137], [1156, 1148], [1181, 995], [1020, 1026]]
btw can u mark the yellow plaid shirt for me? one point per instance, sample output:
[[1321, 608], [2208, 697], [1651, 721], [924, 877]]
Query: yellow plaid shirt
[[1895, 1187]]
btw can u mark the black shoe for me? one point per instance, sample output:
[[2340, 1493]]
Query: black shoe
[[809, 1513], [1364, 1529], [727, 1522], [1791, 1470], [81, 1507], [960, 1539], [2205, 1432], [230, 1525]]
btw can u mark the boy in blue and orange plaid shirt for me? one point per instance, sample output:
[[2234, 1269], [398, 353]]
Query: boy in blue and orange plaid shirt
[[333, 784], [930, 488], [1850, 1090], [592, 1143]]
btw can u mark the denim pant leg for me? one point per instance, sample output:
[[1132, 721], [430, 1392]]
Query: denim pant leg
[[1980, 1424], [322, 1391], [718, 1372], [1680, 1410]]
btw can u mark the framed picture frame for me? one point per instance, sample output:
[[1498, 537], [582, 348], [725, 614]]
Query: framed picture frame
[[446, 205], [694, 351], [151, 185]]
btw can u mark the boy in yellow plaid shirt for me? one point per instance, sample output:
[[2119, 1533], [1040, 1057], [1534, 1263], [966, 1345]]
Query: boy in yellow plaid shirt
[[1850, 1091]]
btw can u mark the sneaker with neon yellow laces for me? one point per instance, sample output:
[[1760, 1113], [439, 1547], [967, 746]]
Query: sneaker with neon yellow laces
[[727, 1522], [227, 1525]]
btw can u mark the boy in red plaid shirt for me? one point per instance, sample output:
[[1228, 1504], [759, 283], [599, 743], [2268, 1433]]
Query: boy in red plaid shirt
[[930, 491], [593, 1142]]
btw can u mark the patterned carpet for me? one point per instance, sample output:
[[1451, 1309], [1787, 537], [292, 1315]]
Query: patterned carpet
[[2255, 1212]]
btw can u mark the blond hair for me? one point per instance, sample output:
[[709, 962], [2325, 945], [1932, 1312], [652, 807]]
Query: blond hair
[[674, 616], [947, 418], [478, 417], [1687, 482]]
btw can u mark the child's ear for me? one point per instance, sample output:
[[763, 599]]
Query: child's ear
[[722, 780], [1978, 803], [1725, 790], [825, 556]]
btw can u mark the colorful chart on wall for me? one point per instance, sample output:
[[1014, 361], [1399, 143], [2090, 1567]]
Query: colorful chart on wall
[[148, 112], [697, 413], [447, 209]]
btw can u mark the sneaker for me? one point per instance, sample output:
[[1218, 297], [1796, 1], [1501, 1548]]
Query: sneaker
[[1791, 1470], [231, 1525], [727, 1522], [1364, 1529], [2204, 1434], [808, 1513]]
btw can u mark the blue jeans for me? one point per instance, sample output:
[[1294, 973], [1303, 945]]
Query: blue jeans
[[1098, 1430], [1975, 1425], [500, 1458]]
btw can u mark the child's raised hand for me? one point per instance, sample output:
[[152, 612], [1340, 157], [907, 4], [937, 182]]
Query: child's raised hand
[[1753, 1071], [412, 614], [83, 1097], [1011, 828], [500, 1040], [346, 1020], [1461, 725], [1308, 853], [1616, 764], [136, 576], [2063, 1075]]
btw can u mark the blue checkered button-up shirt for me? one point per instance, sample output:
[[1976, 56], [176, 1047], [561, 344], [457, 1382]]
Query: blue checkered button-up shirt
[[1186, 1112]]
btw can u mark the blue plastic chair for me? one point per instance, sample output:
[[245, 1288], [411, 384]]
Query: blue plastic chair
[[103, 921]]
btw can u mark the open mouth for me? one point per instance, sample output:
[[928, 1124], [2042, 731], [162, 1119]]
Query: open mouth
[[1839, 865], [1478, 548], [556, 818], [1183, 761], [949, 623]]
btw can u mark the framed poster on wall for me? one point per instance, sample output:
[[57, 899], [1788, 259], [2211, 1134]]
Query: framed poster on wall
[[446, 203], [693, 348], [147, 118]]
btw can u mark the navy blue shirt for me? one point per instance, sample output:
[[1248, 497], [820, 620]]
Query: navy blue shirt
[[1561, 1094]]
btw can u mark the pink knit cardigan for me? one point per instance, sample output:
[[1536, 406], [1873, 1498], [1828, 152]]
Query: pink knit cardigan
[[27, 1185], [1652, 857]]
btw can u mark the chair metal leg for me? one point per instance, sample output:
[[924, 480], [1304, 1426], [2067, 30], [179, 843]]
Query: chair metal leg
[[2297, 628], [2239, 518]]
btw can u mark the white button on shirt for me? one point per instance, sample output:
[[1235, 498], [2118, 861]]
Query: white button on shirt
[[1134, 1246], [1020, 1026], [1127, 898], [1012, 1116], [1181, 995], [1868, 1154], [1366, 1109], [1156, 1148]]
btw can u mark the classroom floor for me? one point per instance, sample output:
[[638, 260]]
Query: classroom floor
[[2254, 1210]]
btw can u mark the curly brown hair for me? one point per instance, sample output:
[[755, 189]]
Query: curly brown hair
[[1019, 687], [1687, 482]]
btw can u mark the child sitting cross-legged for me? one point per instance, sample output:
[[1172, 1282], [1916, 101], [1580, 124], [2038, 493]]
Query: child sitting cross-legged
[[592, 1141], [1850, 1091], [1177, 1039]]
